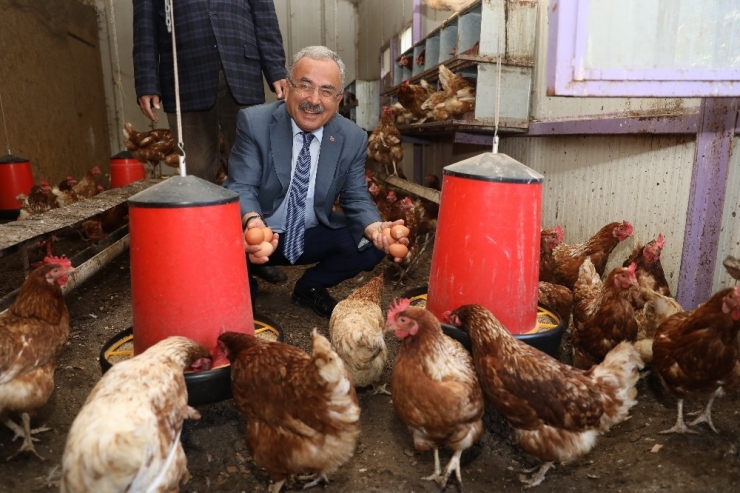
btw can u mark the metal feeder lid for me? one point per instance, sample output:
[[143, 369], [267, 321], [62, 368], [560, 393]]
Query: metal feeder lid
[[183, 191], [493, 167], [11, 159], [123, 155]]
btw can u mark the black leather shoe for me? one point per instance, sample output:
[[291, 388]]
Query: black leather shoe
[[268, 273], [318, 299]]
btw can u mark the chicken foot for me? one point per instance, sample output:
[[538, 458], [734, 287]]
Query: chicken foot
[[680, 426], [318, 479], [705, 415], [27, 434], [538, 477], [276, 486], [381, 389], [452, 465], [437, 470]]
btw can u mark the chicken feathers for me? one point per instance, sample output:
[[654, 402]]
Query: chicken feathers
[[557, 411], [357, 330], [33, 332], [435, 389], [126, 437], [301, 410], [696, 352]]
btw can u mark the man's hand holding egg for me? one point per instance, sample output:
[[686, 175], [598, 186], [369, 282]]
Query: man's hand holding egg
[[260, 242], [392, 238]]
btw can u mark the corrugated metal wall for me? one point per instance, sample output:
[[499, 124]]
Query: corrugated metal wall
[[591, 181]]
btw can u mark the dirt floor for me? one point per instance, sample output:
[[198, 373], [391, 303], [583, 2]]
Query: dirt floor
[[631, 457]]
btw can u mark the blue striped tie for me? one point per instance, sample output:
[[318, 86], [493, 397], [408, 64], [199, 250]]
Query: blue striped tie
[[295, 223]]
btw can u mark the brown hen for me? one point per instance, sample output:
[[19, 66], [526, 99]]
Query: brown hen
[[38, 201], [696, 353], [412, 97], [301, 411], [568, 258], [557, 411], [384, 143], [602, 313], [435, 389], [33, 332]]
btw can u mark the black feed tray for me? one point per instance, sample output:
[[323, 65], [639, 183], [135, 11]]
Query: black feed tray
[[205, 387], [547, 341]]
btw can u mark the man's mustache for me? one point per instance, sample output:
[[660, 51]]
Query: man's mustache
[[312, 108]]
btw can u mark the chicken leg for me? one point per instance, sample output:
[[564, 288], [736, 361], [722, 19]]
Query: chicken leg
[[26, 433], [705, 416], [437, 470], [680, 426], [452, 465], [538, 477], [381, 389]]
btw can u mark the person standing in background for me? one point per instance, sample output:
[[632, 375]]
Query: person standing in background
[[223, 49]]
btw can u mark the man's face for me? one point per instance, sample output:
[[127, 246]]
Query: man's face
[[312, 96]]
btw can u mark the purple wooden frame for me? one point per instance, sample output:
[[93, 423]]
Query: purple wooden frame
[[566, 76], [706, 200]]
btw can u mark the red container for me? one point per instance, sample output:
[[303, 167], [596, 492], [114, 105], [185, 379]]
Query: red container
[[125, 169], [487, 246], [15, 178], [188, 266]]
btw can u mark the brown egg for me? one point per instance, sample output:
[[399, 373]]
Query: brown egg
[[266, 249], [398, 232], [268, 234], [387, 234], [254, 236], [398, 250]]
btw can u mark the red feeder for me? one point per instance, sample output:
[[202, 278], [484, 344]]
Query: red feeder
[[487, 246], [188, 266], [15, 178], [125, 169]]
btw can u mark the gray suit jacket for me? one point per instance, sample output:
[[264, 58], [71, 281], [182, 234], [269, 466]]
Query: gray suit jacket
[[259, 168]]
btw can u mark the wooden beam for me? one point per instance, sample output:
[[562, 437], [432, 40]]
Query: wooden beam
[[15, 235], [418, 190]]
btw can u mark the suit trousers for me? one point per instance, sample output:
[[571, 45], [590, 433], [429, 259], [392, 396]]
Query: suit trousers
[[202, 131], [335, 254]]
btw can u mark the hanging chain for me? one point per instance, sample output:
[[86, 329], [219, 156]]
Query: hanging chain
[[7, 137], [170, 21]]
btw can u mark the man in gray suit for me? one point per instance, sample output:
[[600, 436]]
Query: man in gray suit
[[276, 144], [223, 49]]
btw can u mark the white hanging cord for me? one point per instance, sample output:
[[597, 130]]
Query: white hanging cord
[[498, 77], [170, 21], [119, 80], [7, 137]]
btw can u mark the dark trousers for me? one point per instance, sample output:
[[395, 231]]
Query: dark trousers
[[335, 254], [202, 132]]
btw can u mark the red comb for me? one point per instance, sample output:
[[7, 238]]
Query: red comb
[[559, 232], [660, 241], [397, 307], [63, 261], [628, 227], [631, 268]]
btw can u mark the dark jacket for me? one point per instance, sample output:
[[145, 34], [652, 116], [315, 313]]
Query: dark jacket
[[243, 35]]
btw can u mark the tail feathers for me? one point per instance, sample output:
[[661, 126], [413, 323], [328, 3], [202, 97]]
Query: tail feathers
[[330, 365], [617, 376], [588, 271], [645, 348]]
